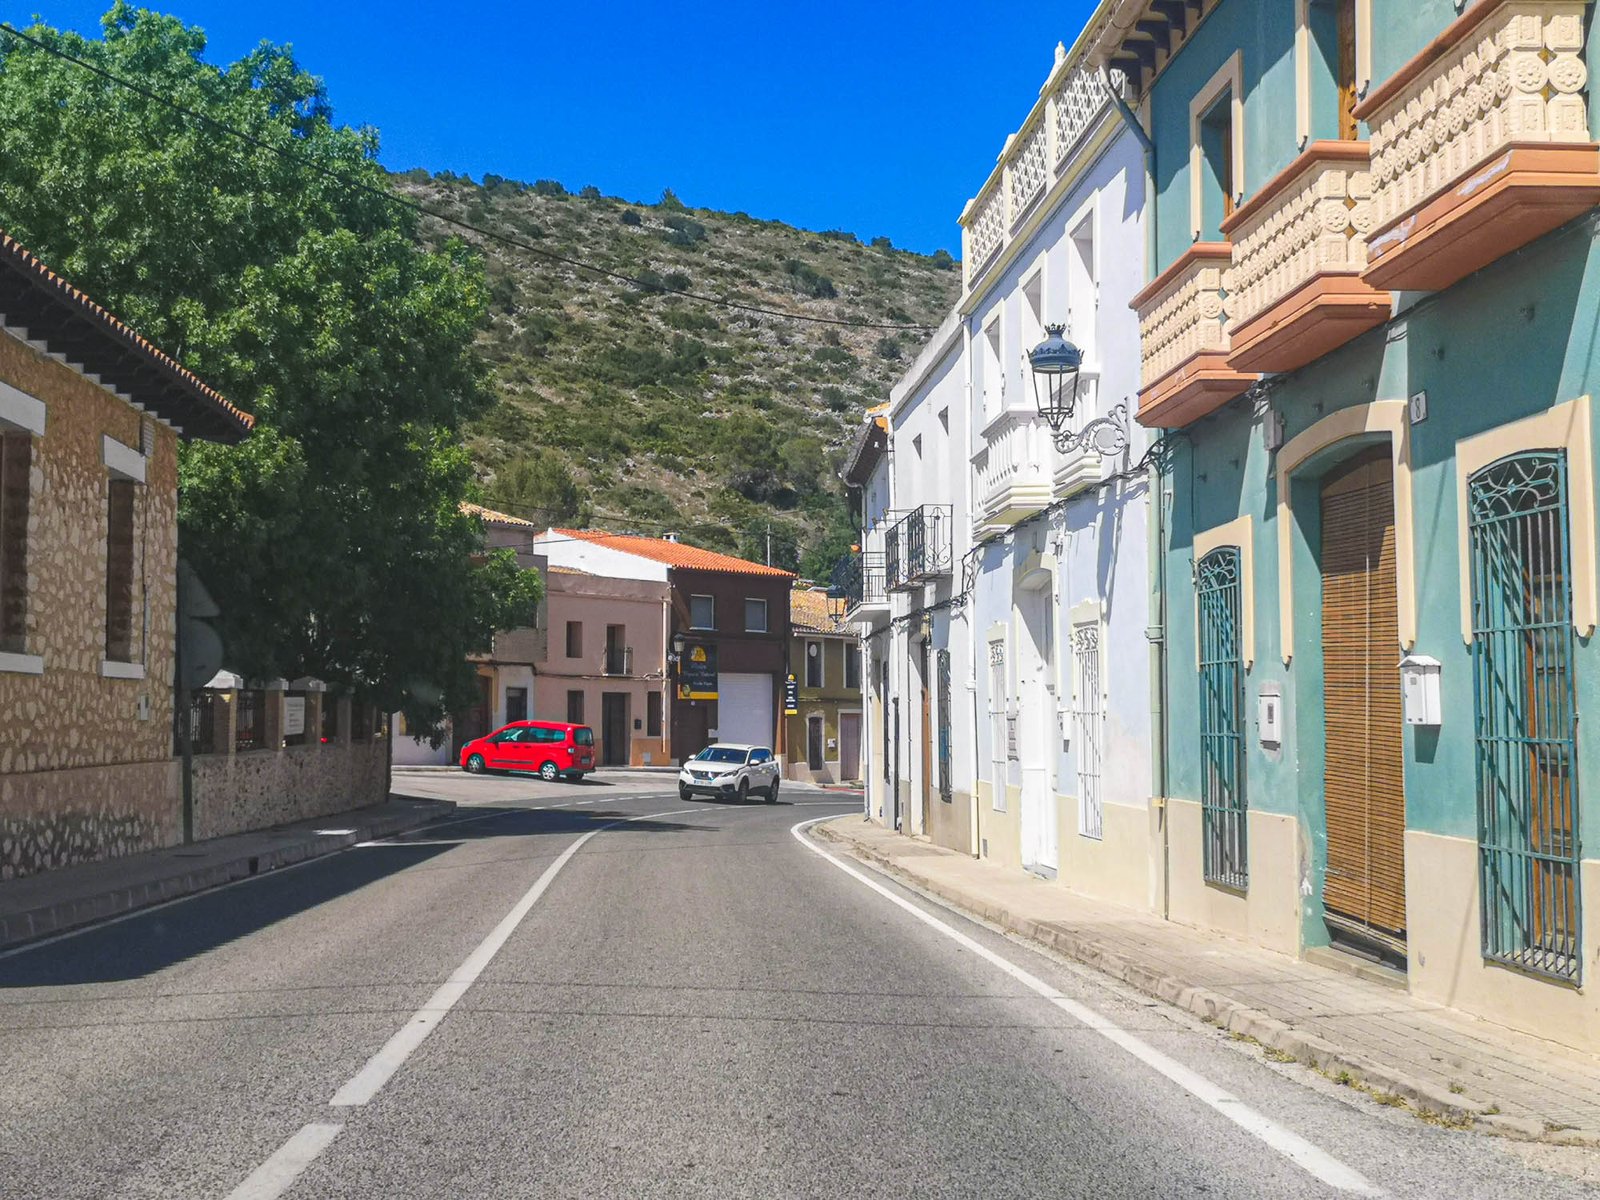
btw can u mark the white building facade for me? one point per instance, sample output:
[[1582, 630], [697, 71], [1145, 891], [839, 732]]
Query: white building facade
[[1015, 686]]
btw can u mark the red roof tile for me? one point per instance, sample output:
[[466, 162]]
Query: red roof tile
[[674, 554], [495, 518]]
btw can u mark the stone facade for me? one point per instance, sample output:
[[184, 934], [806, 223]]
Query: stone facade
[[85, 759]]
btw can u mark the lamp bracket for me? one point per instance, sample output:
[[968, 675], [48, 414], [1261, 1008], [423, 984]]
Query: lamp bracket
[[1107, 436]]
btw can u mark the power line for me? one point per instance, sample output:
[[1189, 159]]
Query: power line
[[424, 210]]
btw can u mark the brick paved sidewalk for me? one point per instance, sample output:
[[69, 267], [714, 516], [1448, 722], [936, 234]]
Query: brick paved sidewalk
[[55, 901], [1439, 1060]]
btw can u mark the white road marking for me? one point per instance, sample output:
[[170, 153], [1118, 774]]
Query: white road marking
[[1291, 1145], [380, 1068], [277, 1175]]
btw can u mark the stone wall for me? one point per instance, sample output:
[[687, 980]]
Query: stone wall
[[85, 759], [234, 793]]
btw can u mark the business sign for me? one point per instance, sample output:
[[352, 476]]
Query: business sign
[[294, 716], [697, 673], [791, 697]]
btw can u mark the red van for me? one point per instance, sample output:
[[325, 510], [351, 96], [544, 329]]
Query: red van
[[555, 749]]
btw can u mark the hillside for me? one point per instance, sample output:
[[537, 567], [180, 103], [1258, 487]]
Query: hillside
[[637, 409]]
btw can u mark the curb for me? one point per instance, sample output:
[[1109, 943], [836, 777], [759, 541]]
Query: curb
[[1306, 1048], [19, 928]]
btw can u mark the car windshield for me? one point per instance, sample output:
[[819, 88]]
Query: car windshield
[[720, 754], [583, 735]]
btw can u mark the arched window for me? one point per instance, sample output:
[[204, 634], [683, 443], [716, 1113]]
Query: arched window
[[1525, 712], [1222, 790]]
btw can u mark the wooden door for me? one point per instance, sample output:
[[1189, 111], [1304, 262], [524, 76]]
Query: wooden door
[[814, 746], [927, 742], [849, 746], [614, 731], [1364, 892]]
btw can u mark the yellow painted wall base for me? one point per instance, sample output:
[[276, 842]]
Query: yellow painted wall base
[[951, 823], [1116, 867], [1001, 830], [1446, 957], [1269, 912]]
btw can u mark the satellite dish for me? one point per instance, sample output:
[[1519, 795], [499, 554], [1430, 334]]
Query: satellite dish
[[193, 598], [200, 651]]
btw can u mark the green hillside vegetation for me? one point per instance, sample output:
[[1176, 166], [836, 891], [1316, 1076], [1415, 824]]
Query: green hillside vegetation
[[628, 407]]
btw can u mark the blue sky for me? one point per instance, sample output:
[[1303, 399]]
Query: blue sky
[[876, 117]]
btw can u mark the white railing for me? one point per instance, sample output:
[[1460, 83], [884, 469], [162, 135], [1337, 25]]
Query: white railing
[[1028, 171]]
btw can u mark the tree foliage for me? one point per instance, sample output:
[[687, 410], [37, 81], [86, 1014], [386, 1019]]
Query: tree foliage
[[539, 487], [333, 537]]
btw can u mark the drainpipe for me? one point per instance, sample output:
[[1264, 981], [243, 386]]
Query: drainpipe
[[1132, 122], [974, 826], [1157, 635]]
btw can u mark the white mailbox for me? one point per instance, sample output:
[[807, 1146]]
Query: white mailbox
[[1419, 686], [1269, 714]]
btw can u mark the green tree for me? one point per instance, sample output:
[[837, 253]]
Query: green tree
[[539, 487], [333, 537]]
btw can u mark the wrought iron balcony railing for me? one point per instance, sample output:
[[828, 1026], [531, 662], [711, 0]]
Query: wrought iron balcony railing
[[917, 548], [619, 660], [858, 579]]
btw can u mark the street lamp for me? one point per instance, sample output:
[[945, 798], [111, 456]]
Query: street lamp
[[1056, 363], [1057, 371], [678, 645]]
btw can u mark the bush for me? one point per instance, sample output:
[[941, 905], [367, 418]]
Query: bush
[[882, 243], [549, 187], [684, 232], [589, 192], [538, 488], [669, 201], [677, 281], [808, 281], [837, 355], [943, 260], [889, 348], [629, 217]]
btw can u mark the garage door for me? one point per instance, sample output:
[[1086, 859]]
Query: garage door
[[744, 709]]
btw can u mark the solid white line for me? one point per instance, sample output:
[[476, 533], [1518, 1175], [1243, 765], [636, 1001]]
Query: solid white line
[[275, 1176], [1291, 1145], [380, 1068]]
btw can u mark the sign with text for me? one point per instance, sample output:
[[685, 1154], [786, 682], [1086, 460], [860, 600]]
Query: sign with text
[[697, 673], [791, 697], [294, 716]]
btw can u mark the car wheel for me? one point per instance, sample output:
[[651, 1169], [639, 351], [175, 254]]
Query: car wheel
[[744, 791], [549, 773], [475, 764], [772, 793], [684, 793]]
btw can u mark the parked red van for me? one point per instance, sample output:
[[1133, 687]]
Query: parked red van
[[555, 749]]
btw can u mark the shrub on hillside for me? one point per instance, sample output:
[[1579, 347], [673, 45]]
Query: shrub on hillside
[[589, 192], [889, 348], [549, 187], [629, 217], [684, 231], [809, 281], [943, 260]]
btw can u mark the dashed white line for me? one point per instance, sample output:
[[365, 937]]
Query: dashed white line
[[275, 1176], [1296, 1149], [380, 1068]]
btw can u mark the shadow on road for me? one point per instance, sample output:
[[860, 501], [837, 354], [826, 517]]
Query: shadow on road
[[149, 942]]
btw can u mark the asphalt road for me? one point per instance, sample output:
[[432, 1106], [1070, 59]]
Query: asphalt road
[[534, 1001]]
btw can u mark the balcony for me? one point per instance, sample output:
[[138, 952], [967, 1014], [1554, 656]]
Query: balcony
[[858, 580], [916, 549], [1070, 107], [1183, 338], [1020, 472], [1295, 290], [1480, 144], [618, 661]]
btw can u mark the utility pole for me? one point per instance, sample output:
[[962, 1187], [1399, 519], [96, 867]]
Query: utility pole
[[769, 543]]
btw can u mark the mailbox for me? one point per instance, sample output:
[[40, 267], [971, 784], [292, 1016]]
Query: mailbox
[[1269, 715], [1419, 686]]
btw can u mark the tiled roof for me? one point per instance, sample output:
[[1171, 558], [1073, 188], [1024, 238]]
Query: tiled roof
[[495, 518], [674, 554], [808, 612], [54, 312]]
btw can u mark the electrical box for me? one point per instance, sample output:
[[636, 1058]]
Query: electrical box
[[1269, 715], [1419, 688]]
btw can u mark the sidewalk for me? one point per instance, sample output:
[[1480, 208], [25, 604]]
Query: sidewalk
[[1358, 1031], [55, 901]]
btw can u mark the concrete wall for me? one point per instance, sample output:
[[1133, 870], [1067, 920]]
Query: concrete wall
[[85, 758]]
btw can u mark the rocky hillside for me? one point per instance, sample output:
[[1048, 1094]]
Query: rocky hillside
[[631, 407]]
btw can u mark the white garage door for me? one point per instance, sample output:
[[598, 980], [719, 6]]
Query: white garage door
[[744, 709]]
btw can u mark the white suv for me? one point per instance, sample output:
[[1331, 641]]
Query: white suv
[[730, 770]]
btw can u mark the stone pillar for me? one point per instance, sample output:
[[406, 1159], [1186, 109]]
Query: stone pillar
[[272, 716], [314, 703]]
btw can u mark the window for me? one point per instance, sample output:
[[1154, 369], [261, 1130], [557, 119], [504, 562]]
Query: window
[[1525, 712], [16, 461], [814, 664], [1083, 287], [757, 757], [755, 616], [994, 385], [1222, 793], [119, 570], [1033, 310], [702, 612], [652, 714], [852, 668], [1216, 150], [618, 657], [574, 639], [580, 737], [575, 707], [516, 704], [1087, 721]]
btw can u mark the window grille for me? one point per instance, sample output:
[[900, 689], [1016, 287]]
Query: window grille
[[248, 725], [202, 724], [119, 570], [946, 785], [1525, 714], [998, 739], [1222, 784], [16, 462], [1087, 720]]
